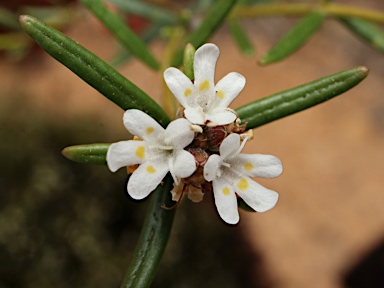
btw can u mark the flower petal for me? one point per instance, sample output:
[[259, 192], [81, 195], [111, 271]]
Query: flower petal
[[182, 164], [211, 167], [221, 116], [195, 115], [180, 85], [204, 67], [179, 133], [225, 200], [230, 145], [147, 177], [125, 153], [258, 165], [255, 195], [140, 124], [228, 88]]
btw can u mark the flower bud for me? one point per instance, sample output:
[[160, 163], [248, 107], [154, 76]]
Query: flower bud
[[215, 135]]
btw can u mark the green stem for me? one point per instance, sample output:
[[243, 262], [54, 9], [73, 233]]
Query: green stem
[[153, 239]]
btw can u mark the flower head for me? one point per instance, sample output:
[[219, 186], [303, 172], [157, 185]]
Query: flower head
[[205, 102], [230, 174], [160, 151]]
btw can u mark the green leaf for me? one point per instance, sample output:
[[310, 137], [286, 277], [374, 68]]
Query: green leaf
[[153, 238], [241, 38], [367, 31], [294, 39], [92, 69], [208, 26], [148, 36], [291, 101], [88, 153], [189, 56], [146, 10], [125, 35]]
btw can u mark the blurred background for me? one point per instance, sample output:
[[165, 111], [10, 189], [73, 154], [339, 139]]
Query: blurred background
[[64, 224]]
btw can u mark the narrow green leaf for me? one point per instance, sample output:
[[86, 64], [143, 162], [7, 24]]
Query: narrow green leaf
[[241, 38], [125, 35], [208, 26], [153, 238], [291, 101], [189, 56], [92, 69], [367, 31], [148, 36], [294, 39], [87, 153], [146, 10]]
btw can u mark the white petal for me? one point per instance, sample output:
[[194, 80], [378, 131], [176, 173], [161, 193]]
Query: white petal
[[141, 124], [225, 200], [146, 178], [228, 88], [230, 145], [182, 164], [255, 195], [221, 116], [259, 165], [204, 67], [211, 167], [180, 85], [195, 115], [179, 133], [125, 153]]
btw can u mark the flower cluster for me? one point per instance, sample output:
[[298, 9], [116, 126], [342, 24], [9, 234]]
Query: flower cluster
[[201, 148]]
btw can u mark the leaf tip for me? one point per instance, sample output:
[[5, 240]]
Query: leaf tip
[[364, 70]]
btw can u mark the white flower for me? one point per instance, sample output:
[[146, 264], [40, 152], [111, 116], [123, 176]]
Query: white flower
[[202, 100], [230, 173], [160, 151]]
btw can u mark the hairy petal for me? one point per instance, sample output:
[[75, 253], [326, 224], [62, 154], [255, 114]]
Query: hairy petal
[[180, 85], [182, 164], [230, 145], [259, 165], [255, 195], [140, 124], [125, 153], [146, 178], [221, 116], [225, 200], [195, 115], [228, 88], [212, 167], [204, 67], [179, 133]]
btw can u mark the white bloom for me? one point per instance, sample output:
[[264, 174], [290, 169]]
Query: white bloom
[[230, 173], [160, 151], [202, 100]]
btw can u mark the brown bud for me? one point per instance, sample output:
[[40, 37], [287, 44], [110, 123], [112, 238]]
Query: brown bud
[[200, 155], [200, 141], [215, 135]]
